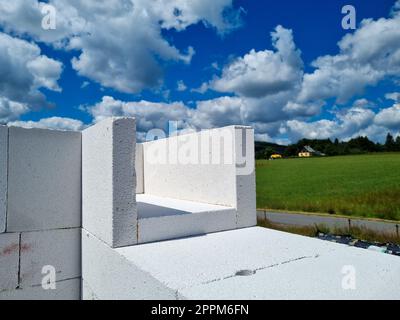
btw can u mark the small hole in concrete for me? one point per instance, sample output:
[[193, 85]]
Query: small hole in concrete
[[245, 273]]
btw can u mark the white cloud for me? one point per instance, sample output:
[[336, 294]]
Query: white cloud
[[320, 129], [46, 72], [120, 42], [349, 123], [51, 123], [218, 112], [262, 73], [389, 117], [180, 86], [84, 84], [23, 71], [395, 96], [11, 110], [366, 57], [202, 89], [148, 115]]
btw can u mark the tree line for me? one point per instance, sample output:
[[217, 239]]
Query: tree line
[[359, 145]]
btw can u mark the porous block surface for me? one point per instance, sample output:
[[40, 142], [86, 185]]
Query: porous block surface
[[108, 181], [139, 169], [3, 176], [245, 177], [65, 290], [163, 218], [280, 266], [106, 274], [58, 248], [195, 166], [44, 179], [9, 257]]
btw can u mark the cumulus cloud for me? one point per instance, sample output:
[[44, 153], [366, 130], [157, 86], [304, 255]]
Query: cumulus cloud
[[261, 73], [11, 110], [389, 117], [218, 112], [395, 96], [120, 42], [59, 123], [349, 123], [23, 71], [148, 115], [366, 57]]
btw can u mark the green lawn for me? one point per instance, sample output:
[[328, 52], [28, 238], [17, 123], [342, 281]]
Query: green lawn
[[362, 185]]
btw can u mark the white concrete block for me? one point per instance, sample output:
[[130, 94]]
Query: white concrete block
[[166, 218], [44, 179], [58, 248], [3, 176], [9, 257], [65, 290], [221, 171], [109, 182], [139, 168], [108, 275], [195, 166], [281, 265], [245, 177]]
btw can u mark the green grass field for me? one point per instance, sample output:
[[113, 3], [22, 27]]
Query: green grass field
[[361, 185]]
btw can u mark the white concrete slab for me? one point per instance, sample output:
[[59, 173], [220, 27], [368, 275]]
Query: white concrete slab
[[107, 274], [286, 266], [65, 290], [312, 278], [58, 248], [109, 182], [9, 257], [44, 179], [165, 218], [3, 176]]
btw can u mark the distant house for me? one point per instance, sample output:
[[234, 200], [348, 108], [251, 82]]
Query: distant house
[[275, 156], [307, 152]]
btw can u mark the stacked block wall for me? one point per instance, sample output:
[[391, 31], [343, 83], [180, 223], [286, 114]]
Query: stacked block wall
[[40, 213]]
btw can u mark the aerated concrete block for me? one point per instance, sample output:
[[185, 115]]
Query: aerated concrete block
[[58, 248], [245, 177], [65, 290], [9, 257], [3, 176], [194, 166], [109, 182], [139, 169], [168, 218], [107, 274], [44, 179]]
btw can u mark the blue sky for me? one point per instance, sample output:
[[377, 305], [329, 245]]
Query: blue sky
[[286, 67]]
